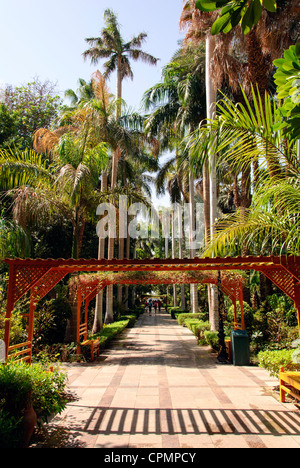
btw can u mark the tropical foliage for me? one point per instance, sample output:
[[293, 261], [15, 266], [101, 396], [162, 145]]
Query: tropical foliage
[[242, 135], [287, 79], [234, 12]]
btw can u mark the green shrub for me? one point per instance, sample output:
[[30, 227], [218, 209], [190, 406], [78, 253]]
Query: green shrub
[[48, 395], [174, 311], [9, 434], [109, 332], [138, 310], [182, 317], [17, 332], [51, 321], [273, 360], [132, 318], [16, 387], [20, 385], [212, 338], [58, 352], [197, 327]]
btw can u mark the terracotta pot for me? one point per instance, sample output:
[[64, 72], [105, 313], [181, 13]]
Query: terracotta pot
[[27, 426]]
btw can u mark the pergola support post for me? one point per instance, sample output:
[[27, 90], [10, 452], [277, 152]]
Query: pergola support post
[[9, 306], [241, 300], [30, 324], [79, 303], [235, 313], [297, 302]]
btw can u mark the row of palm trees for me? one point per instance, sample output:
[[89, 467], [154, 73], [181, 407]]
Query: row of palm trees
[[241, 65], [110, 45]]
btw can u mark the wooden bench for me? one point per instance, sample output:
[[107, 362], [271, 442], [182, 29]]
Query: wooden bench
[[94, 345], [20, 352], [289, 383]]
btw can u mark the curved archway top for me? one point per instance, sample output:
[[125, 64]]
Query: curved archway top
[[89, 285]]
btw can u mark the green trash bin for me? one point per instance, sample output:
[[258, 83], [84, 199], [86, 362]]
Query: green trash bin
[[240, 348]]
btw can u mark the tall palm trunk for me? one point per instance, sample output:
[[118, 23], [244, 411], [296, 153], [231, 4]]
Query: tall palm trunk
[[206, 202], [98, 317], [167, 253], [192, 225], [210, 109], [109, 317], [180, 244], [174, 256], [76, 234], [134, 287], [122, 225], [127, 256]]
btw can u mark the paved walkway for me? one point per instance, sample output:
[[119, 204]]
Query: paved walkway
[[155, 388]]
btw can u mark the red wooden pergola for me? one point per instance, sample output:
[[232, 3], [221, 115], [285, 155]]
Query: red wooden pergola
[[88, 286], [40, 276]]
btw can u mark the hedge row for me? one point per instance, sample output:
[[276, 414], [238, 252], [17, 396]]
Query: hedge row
[[109, 332], [175, 311], [201, 329]]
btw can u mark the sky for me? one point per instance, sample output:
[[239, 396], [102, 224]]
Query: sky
[[47, 39]]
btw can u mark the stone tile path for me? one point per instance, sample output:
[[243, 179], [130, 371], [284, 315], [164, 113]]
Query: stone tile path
[[155, 388]]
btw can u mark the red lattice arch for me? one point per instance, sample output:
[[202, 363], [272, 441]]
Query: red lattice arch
[[40, 276]]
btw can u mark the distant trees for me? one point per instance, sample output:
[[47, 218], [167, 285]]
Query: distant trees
[[25, 109]]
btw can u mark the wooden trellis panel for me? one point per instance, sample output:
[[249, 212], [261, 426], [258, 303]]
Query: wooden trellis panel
[[46, 283], [283, 279], [25, 279]]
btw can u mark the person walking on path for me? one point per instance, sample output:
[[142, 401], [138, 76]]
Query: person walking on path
[[150, 306]]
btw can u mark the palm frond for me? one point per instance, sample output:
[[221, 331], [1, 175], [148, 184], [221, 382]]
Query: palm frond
[[37, 205], [137, 54], [19, 168], [14, 241]]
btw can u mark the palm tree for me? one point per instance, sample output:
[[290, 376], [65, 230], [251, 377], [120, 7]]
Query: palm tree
[[271, 224], [169, 174], [93, 123], [193, 17], [78, 180], [110, 45], [63, 188], [245, 59], [85, 92], [179, 104]]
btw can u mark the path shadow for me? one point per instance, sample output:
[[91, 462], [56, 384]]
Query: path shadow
[[190, 421], [165, 421]]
